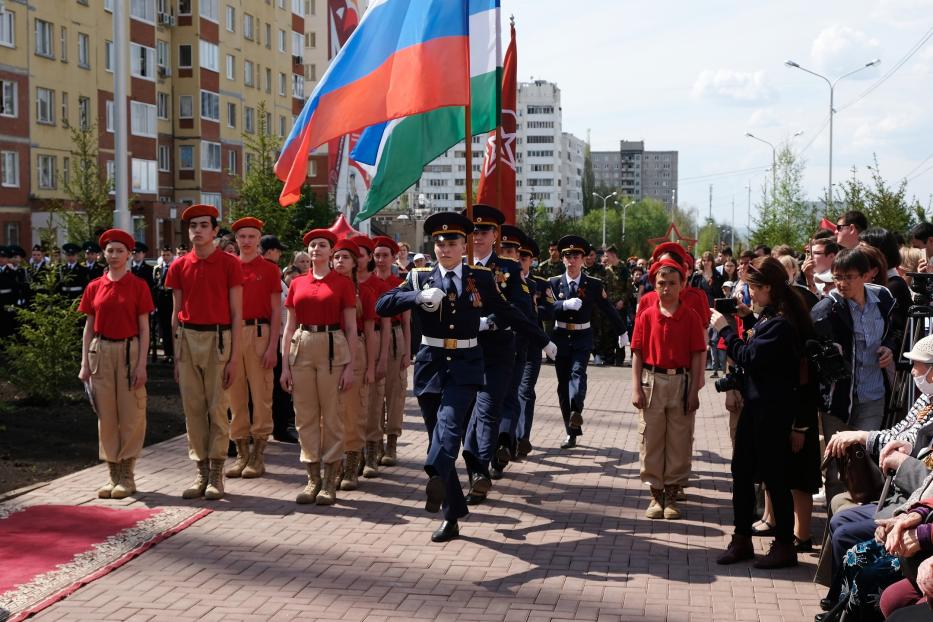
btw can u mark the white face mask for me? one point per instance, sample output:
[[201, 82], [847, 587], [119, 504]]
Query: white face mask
[[923, 385]]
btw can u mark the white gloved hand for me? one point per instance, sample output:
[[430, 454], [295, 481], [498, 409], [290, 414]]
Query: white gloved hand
[[551, 350], [484, 324], [623, 340], [430, 299], [572, 304]]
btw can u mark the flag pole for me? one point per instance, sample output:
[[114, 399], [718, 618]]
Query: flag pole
[[468, 141]]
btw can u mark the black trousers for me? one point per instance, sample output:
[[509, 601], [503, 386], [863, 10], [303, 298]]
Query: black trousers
[[762, 451], [283, 413]]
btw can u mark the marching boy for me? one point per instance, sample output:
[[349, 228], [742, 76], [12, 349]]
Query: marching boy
[[669, 344]]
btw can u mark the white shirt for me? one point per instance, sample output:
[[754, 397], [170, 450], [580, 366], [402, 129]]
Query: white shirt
[[575, 281], [483, 261], [458, 278]]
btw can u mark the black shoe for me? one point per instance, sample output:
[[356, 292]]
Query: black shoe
[[480, 484], [803, 546], [448, 530], [231, 449], [285, 436], [475, 499], [576, 419], [435, 494], [503, 455], [524, 447], [495, 473], [569, 443], [827, 603]]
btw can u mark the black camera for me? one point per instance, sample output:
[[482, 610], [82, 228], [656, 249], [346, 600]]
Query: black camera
[[733, 381], [827, 360], [726, 306], [921, 283]]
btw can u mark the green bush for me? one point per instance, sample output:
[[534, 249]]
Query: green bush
[[44, 358]]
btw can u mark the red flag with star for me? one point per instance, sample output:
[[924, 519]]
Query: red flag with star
[[497, 181]]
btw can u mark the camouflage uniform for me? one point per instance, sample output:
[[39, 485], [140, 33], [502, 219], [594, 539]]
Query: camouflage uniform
[[549, 268], [616, 286]]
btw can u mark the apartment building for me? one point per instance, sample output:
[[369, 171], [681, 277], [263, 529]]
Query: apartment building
[[198, 72], [636, 172]]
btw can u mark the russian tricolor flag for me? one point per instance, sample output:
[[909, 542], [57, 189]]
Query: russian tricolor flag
[[405, 57]]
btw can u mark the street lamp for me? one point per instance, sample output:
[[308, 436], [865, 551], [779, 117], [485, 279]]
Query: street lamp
[[773, 155], [832, 87], [625, 206], [604, 198]]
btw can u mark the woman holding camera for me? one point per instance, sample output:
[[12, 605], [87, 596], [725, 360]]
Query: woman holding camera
[[772, 361]]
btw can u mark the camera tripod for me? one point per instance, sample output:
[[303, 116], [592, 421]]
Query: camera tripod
[[903, 391]]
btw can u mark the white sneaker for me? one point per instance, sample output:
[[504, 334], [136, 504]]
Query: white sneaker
[[820, 497]]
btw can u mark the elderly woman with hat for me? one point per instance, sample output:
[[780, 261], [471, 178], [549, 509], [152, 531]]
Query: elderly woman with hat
[[113, 364], [321, 335]]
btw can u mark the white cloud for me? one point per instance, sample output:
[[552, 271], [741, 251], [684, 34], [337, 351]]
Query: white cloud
[[762, 118], [839, 49], [737, 87], [873, 132]]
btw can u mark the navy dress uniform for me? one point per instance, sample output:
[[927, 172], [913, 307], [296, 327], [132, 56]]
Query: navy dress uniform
[[498, 344], [448, 369], [72, 276], [95, 269], [8, 293], [573, 334]]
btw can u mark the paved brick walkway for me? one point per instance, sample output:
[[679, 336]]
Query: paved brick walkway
[[562, 538]]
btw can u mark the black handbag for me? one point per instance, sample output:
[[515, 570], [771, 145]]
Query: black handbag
[[863, 479]]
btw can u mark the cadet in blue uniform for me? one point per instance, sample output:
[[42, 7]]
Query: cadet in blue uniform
[[498, 343], [450, 300], [95, 268], [511, 240], [72, 276], [575, 296]]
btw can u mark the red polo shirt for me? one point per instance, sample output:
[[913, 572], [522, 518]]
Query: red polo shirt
[[668, 341], [205, 285], [117, 305], [367, 307], [320, 301], [390, 282], [261, 279]]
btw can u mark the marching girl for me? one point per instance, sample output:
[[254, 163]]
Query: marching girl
[[117, 306], [321, 335]]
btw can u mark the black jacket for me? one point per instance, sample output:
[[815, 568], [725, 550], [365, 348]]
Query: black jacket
[[832, 320]]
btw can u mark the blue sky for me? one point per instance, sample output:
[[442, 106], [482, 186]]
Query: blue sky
[[695, 76]]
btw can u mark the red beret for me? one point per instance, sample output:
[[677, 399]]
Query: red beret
[[199, 209], [674, 249], [117, 235], [381, 240], [364, 241], [248, 221], [347, 244], [324, 234], [666, 263]]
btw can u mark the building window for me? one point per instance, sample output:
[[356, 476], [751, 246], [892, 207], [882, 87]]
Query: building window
[[267, 128], [268, 79], [310, 39], [298, 44], [108, 56], [142, 61], [143, 119], [231, 67], [210, 106], [282, 125], [298, 86], [248, 26], [184, 7], [163, 58], [185, 107], [310, 7], [162, 105], [84, 51], [47, 173], [8, 96], [63, 44], [231, 114], [12, 234], [66, 170], [212, 198], [249, 120], [210, 10], [268, 36], [184, 56], [248, 72], [282, 84], [232, 168], [45, 105], [186, 157], [164, 164], [298, 7], [311, 72], [84, 112], [282, 41], [10, 172], [7, 28], [143, 10], [45, 46], [145, 178], [209, 56], [111, 175], [108, 115], [231, 19]]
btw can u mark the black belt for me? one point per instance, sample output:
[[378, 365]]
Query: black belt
[[319, 328], [666, 371], [102, 338], [126, 354], [205, 328], [256, 321]]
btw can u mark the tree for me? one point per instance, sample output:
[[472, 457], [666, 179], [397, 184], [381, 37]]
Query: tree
[[258, 191], [785, 217], [88, 211], [589, 181]]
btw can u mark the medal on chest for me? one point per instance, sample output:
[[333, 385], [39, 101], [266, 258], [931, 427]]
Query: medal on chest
[[473, 292]]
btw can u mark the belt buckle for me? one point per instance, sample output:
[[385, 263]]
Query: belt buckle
[[571, 326], [450, 344], [671, 372]]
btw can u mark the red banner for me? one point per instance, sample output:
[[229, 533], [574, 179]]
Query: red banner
[[497, 182]]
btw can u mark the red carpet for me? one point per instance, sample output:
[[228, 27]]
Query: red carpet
[[49, 551]]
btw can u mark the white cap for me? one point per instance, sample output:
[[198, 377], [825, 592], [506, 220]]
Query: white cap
[[728, 284], [922, 351], [418, 256]]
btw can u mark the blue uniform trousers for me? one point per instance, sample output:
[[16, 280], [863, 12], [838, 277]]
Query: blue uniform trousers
[[527, 395], [483, 430], [445, 416], [571, 385], [511, 408]]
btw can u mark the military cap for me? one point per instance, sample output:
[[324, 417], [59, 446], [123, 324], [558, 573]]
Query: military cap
[[510, 235], [166, 248], [17, 251], [444, 226], [117, 235], [269, 242], [140, 247], [181, 246], [91, 247], [573, 244], [324, 234], [5, 252], [486, 216], [382, 240], [612, 249], [199, 209], [529, 247], [38, 247], [71, 248], [248, 221], [347, 244]]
